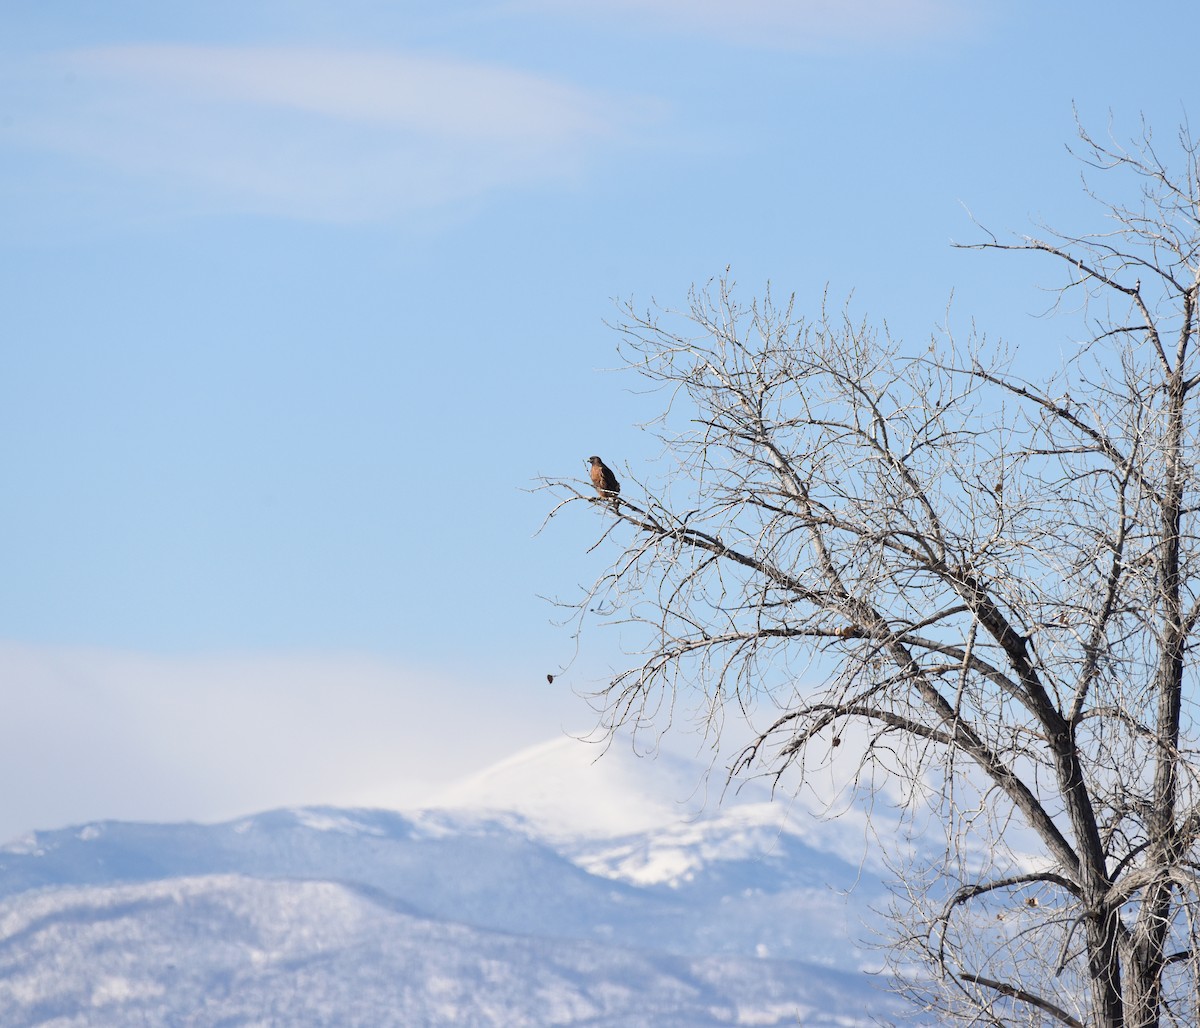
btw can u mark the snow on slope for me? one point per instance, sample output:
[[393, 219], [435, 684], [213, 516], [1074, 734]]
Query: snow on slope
[[746, 874], [567, 787], [571, 791], [491, 874], [229, 949], [483, 872], [552, 889]]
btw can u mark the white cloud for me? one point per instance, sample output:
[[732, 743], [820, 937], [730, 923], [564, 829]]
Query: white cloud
[[308, 132], [783, 24], [95, 734], [435, 97]]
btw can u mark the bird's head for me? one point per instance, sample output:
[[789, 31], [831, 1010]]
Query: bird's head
[[593, 461]]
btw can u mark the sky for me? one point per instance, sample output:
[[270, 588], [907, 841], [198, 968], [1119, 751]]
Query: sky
[[300, 300]]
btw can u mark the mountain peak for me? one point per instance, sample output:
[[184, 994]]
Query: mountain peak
[[572, 786]]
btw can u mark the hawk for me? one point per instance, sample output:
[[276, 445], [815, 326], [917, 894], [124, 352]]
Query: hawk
[[604, 480]]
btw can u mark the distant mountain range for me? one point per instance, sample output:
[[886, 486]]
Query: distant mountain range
[[554, 889]]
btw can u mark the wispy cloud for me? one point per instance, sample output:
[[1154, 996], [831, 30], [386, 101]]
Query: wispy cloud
[[782, 24], [93, 734], [310, 132]]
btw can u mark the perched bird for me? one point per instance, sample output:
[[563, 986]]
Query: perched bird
[[604, 480]]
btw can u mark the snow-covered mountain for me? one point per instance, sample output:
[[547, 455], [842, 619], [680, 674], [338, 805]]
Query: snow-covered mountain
[[552, 889]]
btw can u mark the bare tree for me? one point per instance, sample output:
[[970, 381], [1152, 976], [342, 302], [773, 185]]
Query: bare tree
[[995, 582]]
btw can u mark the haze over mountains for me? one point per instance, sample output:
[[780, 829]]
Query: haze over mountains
[[552, 889]]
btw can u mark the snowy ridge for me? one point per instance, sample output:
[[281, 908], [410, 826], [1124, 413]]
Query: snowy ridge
[[553, 889], [226, 948], [569, 787], [682, 852]]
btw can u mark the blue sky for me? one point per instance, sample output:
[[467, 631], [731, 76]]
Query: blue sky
[[301, 298]]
